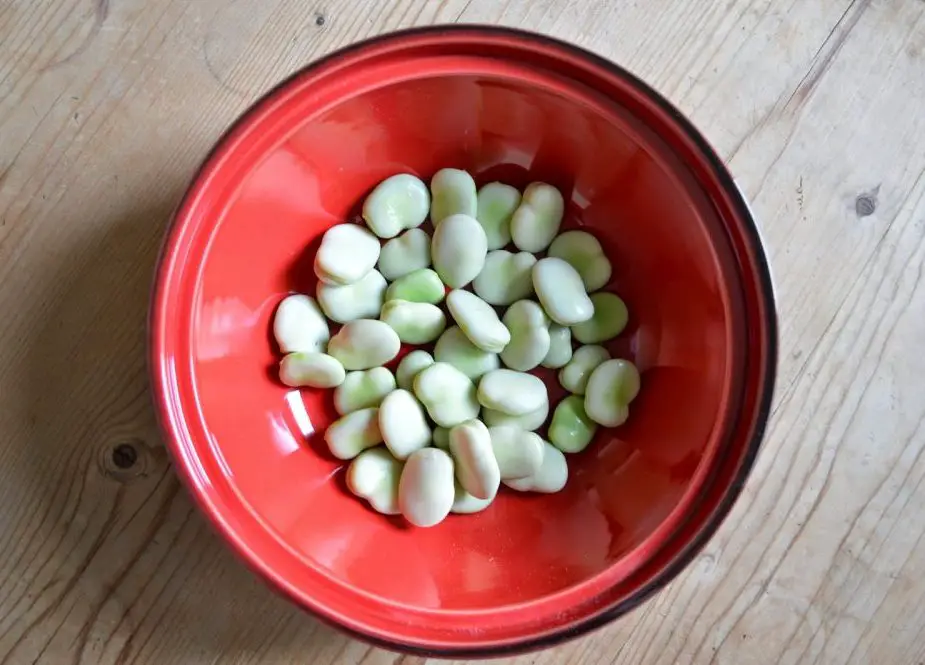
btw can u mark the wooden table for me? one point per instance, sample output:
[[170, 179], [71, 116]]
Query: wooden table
[[107, 106]]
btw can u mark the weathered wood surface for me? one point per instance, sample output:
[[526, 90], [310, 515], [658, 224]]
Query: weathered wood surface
[[106, 107]]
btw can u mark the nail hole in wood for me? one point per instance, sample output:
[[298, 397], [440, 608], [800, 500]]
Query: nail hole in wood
[[319, 20]]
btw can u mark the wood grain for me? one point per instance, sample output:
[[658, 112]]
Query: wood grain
[[107, 106]]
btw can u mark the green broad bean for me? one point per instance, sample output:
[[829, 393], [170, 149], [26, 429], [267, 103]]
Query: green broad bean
[[495, 206], [609, 319], [422, 285], [571, 430], [415, 322]]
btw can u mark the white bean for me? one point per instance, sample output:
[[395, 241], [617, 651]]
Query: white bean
[[496, 205], [374, 476], [346, 254], [364, 343], [536, 221], [530, 340], [478, 320], [403, 255], [410, 366], [362, 389], [519, 453], [402, 423], [453, 193], [476, 467], [574, 376], [415, 322], [505, 277], [458, 250], [350, 435], [585, 254], [397, 203], [426, 490], [515, 393], [299, 326], [550, 478], [447, 394], [561, 292], [612, 386], [361, 300], [315, 370]]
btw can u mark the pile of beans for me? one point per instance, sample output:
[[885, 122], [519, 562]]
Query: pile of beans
[[457, 423]]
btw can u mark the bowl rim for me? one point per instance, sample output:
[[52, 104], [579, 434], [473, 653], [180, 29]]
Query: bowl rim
[[768, 326]]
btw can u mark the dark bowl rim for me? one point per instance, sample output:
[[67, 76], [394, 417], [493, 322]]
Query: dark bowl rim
[[711, 524]]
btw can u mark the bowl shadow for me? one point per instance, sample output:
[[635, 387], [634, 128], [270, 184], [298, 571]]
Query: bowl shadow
[[109, 547]]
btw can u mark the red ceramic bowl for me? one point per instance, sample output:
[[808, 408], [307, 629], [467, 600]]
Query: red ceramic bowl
[[641, 501]]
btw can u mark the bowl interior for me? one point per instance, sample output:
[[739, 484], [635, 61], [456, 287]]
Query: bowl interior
[[254, 449]]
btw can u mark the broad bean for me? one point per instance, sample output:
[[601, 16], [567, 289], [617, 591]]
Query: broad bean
[[574, 376], [299, 325], [397, 203], [426, 490], [453, 192], [527, 422], [315, 370], [466, 504], [536, 221], [402, 423], [374, 476], [415, 322], [519, 453], [609, 319], [363, 389], [495, 207], [361, 300], [353, 433], [611, 388], [571, 430], [410, 366], [447, 394], [505, 277], [364, 343], [561, 292], [402, 255], [458, 250], [455, 348], [551, 477], [478, 320], [422, 285], [560, 347], [514, 393], [476, 467], [346, 254], [530, 340], [585, 254]]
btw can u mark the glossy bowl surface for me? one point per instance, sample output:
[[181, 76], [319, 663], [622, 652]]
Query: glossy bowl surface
[[532, 570]]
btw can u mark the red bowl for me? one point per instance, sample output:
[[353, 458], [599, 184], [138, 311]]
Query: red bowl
[[641, 501]]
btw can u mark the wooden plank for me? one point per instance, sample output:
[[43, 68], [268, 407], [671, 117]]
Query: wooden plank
[[107, 106]]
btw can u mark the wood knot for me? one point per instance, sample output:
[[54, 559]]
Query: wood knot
[[124, 460], [866, 204]]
